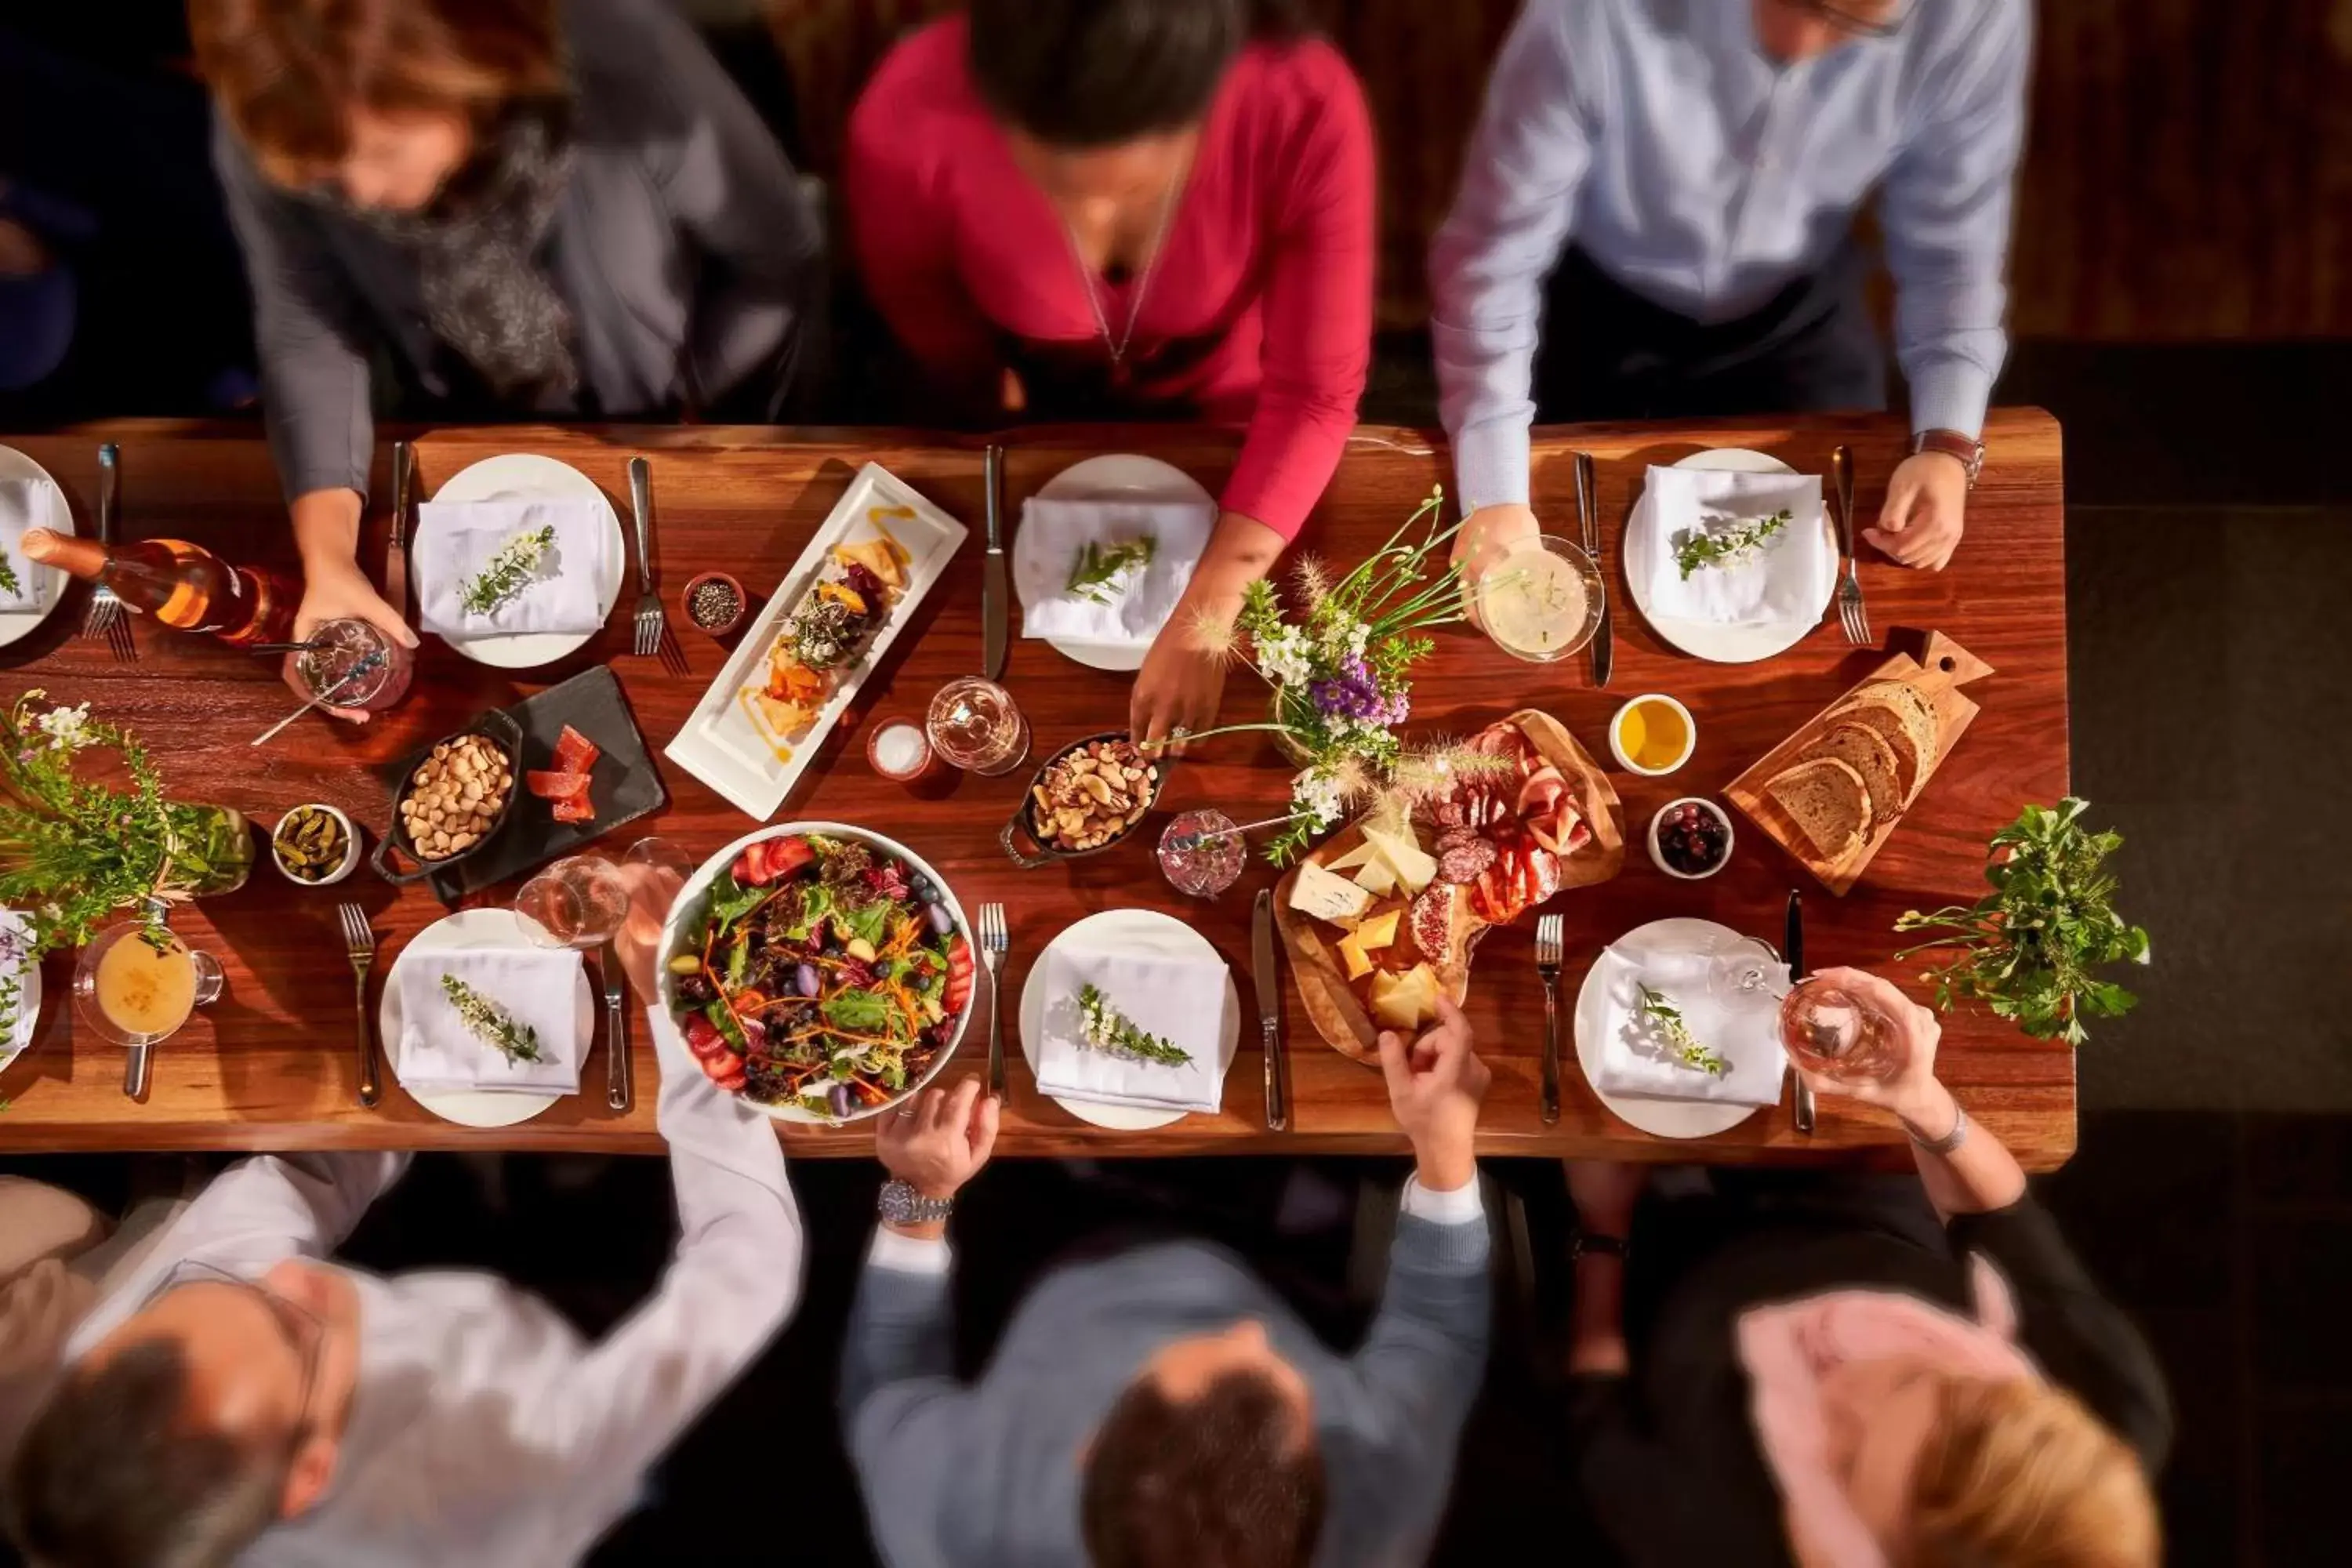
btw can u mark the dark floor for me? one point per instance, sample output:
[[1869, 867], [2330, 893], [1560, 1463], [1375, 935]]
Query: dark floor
[[2207, 586]]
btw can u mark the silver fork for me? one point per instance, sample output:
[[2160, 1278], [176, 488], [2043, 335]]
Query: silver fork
[[1549, 942], [995, 942], [359, 945], [651, 629], [103, 617], [1848, 594]]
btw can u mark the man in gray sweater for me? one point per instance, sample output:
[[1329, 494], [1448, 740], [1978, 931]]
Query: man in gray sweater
[[1164, 1406]]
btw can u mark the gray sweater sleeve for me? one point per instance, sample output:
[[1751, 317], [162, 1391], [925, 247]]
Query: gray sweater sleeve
[[898, 1390], [314, 379]]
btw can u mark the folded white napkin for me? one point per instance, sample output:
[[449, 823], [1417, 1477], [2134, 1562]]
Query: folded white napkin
[[1743, 1028], [536, 987], [456, 540], [24, 503], [1787, 578], [16, 951], [1179, 999], [1140, 599]]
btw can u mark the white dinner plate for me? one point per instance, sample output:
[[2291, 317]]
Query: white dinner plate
[[28, 994], [1708, 639], [468, 930], [527, 476], [1658, 1118], [15, 465], [1137, 931], [1118, 475]]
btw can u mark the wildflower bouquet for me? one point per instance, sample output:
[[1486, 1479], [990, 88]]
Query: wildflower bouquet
[[1338, 666], [73, 852]]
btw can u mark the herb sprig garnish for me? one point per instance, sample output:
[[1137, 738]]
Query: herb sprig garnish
[[1729, 547], [1096, 568], [8, 575], [1106, 1028], [507, 571], [489, 1023], [1658, 1010], [2027, 949]]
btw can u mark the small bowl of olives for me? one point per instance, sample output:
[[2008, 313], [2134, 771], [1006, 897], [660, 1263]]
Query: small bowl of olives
[[315, 845], [1690, 839]]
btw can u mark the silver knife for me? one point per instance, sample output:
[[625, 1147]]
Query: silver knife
[[1268, 973], [1587, 515], [616, 1030], [1842, 481], [1792, 946], [395, 553], [992, 572]]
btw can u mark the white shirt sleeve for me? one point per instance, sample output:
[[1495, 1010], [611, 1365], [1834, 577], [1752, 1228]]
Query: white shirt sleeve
[[903, 1253], [1463, 1206]]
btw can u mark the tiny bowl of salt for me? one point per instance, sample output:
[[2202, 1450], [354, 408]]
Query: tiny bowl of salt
[[714, 602], [898, 749]]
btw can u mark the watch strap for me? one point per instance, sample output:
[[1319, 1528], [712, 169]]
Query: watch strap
[[1952, 444], [1594, 1243], [902, 1204]]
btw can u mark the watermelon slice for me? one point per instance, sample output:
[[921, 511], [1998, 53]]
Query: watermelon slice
[[557, 786], [574, 753]]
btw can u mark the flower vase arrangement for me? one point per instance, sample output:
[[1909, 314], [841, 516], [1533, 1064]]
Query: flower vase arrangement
[[74, 851], [1338, 661]]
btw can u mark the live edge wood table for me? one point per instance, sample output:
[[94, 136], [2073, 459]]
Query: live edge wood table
[[270, 1066]]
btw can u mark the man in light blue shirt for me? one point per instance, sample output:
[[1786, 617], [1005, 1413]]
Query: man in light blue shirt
[[1662, 192]]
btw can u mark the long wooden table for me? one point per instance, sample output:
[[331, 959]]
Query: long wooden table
[[270, 1066]]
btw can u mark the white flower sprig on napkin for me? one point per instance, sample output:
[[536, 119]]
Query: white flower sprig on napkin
[[1659, 1010], [1704, 547], [490, 1024], [1103, 1026], [507, 571]]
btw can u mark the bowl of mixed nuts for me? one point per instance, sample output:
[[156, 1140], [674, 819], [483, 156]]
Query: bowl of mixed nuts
[[1090, 795], [452, 798], [315, 845]]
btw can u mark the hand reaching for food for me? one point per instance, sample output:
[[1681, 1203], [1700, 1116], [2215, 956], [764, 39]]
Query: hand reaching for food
[[940, 1140], [1435, 1086]]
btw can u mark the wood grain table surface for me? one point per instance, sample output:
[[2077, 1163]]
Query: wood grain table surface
[[270, 1065]]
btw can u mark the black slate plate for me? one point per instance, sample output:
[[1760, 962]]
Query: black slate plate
[[624, 786]]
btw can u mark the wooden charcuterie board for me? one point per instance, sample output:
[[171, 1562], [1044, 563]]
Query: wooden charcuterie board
[[1941, 668], [1333, 1004]]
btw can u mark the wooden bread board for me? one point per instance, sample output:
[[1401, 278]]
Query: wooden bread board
[[1331, 1003], [1941, 668]]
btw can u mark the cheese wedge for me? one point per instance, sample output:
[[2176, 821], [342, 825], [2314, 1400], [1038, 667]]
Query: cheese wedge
[[1379, 931], [1405, 1001], [1361, 855], [1352, 949], [1414, 865], [1327, 897], [1376, 877]]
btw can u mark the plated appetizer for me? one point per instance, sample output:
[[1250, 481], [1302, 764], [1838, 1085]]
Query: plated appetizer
[[823, 976], [827, 631]]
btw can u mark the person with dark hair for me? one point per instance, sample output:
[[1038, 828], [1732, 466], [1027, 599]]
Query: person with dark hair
[[1096, 210], [523, 208], [1161, 1406], [1853, 1371], [239, 1399], [1658, 221]]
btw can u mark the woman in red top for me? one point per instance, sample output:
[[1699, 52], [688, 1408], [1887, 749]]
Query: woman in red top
[[1096, 208]]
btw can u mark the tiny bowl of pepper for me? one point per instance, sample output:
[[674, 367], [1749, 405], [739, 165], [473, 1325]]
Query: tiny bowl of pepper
[[315, 845], [714, 602]]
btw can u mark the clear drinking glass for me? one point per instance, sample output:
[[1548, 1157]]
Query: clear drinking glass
[[1748, 967], [579, 901], [975, 725], [339, 647], [136, 992], [1830, 1030], [1540, 603], [1201, 853]]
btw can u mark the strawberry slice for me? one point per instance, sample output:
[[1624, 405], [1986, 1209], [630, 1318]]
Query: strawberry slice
[[702, 1038], [783, 857], [575, 752], [556, 786], [959, 986]]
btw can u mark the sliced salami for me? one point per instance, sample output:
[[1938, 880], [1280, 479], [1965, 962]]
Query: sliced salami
[[1431, 919], [1462, 854]]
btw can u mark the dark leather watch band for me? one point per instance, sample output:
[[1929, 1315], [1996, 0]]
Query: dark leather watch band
[[1952, 444], [1600, 1246]]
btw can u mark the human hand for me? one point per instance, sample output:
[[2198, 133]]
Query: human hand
[[637, 943], [335, 591], [1487, 535], [1913, 1093], [1178, 688], [1605, 1193], [1926, 509], [1435, 1086], [940, 1139]]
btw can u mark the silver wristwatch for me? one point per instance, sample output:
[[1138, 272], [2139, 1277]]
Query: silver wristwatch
[[902, 1204]]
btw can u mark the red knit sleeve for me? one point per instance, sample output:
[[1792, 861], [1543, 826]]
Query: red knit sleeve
[[901, 223], [1318, 296]]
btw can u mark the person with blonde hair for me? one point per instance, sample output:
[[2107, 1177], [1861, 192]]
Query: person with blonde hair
[[1854, 1372]]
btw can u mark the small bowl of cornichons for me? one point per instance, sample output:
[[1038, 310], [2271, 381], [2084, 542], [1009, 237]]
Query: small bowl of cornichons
[[714, 602], [1089, 797], [315, 845]]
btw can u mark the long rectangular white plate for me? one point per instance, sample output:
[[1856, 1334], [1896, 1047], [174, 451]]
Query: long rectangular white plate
[[722, 745]]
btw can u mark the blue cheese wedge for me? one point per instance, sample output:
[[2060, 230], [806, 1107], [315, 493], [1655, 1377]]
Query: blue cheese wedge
[[1327, 897]]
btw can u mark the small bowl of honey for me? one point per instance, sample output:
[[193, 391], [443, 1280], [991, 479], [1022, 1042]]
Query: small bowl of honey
[[1653, 734]]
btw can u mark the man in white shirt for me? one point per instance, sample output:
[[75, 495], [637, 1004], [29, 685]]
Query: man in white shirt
[[245, 1401], [1163, 1408]]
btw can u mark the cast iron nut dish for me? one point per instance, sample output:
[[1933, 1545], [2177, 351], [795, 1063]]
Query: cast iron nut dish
[[455, 796], [823, 976], [1093, 794]]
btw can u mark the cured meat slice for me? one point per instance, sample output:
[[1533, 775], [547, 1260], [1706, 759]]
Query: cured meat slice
[[1430, 919], [575, 752], [556, 786], [1462, 854]]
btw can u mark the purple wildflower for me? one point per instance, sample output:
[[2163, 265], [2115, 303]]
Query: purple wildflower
[[1353, 693]]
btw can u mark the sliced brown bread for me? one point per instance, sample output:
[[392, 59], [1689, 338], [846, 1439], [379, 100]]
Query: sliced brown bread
[[1902, 714], [1827, 800], [1866, 751]]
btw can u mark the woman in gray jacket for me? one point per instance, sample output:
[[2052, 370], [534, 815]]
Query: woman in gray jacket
[[560, 208]]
